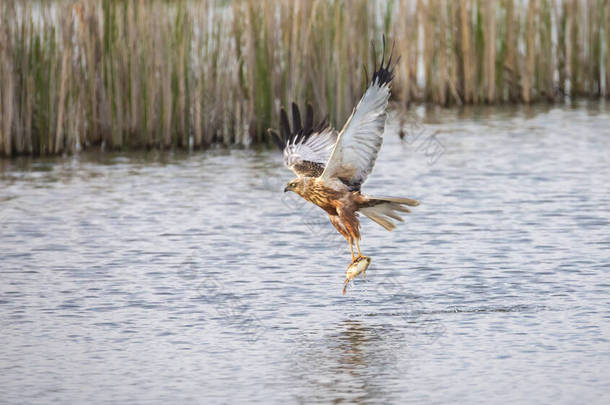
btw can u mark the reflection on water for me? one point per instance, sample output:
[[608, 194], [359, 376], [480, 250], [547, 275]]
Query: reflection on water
[[177, 277], [353, 355]]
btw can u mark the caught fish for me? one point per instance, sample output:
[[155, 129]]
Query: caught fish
[[355, 269]]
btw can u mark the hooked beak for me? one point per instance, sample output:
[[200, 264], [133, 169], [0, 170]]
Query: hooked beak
[[287, 188]]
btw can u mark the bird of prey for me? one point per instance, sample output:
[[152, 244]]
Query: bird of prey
[[331, 166]]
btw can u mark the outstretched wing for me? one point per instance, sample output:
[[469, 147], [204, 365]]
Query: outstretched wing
[[306, 149], [360, 139]]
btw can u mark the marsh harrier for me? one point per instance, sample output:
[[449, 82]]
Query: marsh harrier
[[331, 166]]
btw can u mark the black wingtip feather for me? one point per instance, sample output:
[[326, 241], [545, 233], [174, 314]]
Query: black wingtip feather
[[284, 125], [276, 138], [296, 119], [308, 127], [322, 125], [385, 73], [383, 51], [298, 132]]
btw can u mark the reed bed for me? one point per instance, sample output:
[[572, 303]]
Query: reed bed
[[186, 74]]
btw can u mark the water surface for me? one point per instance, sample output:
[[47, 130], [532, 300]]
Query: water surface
[[191, 278]]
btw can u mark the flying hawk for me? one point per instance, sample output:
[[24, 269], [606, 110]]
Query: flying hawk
[[331, 166]]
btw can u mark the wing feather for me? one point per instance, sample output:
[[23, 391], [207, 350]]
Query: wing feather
[[306, 149], [359, 141]]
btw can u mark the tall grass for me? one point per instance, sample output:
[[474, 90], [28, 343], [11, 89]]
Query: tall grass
[[184, 74]]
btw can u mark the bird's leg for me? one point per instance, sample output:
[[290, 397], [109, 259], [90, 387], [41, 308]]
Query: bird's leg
[[354, 257], [358, 247]]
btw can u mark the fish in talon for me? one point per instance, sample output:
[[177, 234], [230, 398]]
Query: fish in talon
[[356, 267]]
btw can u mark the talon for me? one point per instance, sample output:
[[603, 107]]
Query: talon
[[354, 260]]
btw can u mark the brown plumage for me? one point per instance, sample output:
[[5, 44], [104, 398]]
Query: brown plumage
[[332, 166], [343, 205]]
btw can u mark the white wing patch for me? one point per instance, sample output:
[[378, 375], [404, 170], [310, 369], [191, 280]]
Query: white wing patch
[[306, 148], [360, 139], [316, 148]]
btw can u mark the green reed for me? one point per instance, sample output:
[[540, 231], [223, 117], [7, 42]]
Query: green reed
[[131, 74]]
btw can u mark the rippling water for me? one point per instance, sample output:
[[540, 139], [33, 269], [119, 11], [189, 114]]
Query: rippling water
[[191, 278]]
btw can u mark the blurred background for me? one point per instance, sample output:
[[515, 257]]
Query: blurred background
[[187, 74]]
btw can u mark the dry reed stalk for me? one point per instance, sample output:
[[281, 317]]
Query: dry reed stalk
[[527, 70], [443, 74], [7, 114], [452, 48], [545, 57], [490, 50], [595, 49], [607, 43], [405, 34], [575, 52], [511, 66], [560, 11], [428, 19], [465, 50], [160, 74]]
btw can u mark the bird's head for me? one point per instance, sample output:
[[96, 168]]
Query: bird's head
[[295, 185]]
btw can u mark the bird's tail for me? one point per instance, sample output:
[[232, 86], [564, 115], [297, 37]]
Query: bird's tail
[[383, 209]]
